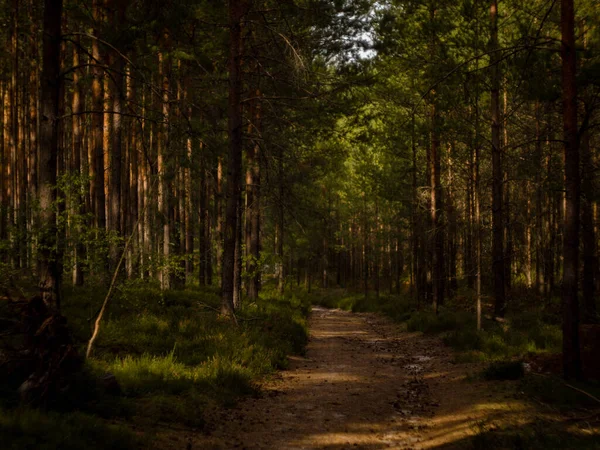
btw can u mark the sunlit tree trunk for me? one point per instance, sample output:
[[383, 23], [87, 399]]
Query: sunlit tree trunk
[[97, 166], [78, 167], [117, 63], [164, 172]]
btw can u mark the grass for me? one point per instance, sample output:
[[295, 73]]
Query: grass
[[172, 356], [524, 333], [31, 429]]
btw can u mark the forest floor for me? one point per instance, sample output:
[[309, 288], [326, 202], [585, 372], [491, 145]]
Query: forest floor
[[364, 383]]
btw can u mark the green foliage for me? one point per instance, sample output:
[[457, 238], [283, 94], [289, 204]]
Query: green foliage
[[429, 322], [25, 429], [393, 306], [524, 333], [171, 354]]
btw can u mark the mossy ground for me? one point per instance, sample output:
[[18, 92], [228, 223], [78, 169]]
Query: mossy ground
[[172, 356]]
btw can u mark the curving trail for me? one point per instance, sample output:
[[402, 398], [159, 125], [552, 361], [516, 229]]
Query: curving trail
[[363, 384]]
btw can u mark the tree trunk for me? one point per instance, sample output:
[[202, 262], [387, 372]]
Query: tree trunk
[[164, 173], [98, 197], [117, 63], [237, 9], [588, 235], [497, 197], [571, 350], [203, 250], [49, 258], [78, 167], [253, 208], [438, 275]]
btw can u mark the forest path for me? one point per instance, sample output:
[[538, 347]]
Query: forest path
[[362, 384]]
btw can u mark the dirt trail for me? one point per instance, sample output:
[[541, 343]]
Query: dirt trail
[[363, 384]]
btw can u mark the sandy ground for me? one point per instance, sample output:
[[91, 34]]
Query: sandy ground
[[362, 384]]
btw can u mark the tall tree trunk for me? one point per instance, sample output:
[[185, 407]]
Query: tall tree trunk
[[237, 9], [477, 183], [253, 208], [539, 232], [452, 228], [438, 277], [508, 235], [189, 201], [415, 286], [571, 350], [237, 271], [78, 167], [202, 247], [497, 197], [97, 167], [219, 214], [49, 258], [164, 172], [279, 232], [588, 236], [117, 63]]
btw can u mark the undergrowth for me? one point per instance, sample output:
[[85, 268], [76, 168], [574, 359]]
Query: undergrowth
[[523, 333], [171, 355]]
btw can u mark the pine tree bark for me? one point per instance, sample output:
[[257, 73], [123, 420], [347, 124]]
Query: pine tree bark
[[588, 235], [78, 167], [97, 167], [237, 9], [253, 207], [497, 175], [117, 63], [571, 350], [49, 257], [438, 275], [164, 173], [202, 248]]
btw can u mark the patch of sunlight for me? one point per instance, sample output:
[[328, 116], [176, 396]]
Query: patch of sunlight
[[508, 405], [433, 375], [339, 333]]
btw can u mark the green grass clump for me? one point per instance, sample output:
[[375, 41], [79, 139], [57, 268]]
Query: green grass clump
[[24, 429], [395, 307], [171, 354], [524, 332], [429, 322]]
